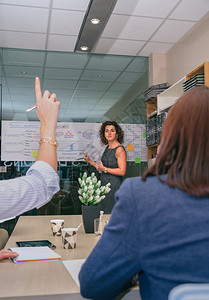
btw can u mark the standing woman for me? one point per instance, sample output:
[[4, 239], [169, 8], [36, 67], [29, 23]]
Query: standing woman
[[113, 161]]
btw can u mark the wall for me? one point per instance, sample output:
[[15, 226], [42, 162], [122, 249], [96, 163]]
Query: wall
[[157, 69], [188, 53]]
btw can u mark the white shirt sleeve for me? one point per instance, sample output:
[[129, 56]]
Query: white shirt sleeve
[[33, 190]]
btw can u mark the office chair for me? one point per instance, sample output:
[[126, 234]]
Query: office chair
[[190, 291]]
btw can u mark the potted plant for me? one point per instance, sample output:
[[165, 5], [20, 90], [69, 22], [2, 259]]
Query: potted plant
[[91, 193]]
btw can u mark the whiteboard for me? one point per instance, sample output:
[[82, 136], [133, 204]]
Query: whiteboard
[[20, 141]]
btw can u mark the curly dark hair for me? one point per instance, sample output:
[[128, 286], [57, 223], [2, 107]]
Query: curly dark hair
[[119, 131]]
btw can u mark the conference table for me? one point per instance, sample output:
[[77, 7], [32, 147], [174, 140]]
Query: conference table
[[48, 279]]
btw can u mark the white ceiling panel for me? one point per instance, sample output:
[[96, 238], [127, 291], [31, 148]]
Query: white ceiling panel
[[66, 22], [61, 42], [35, 3], [147, 8], [12, 18], [155, 47], [131, 27], [171, 31], [22, 40], [191, 10], [72, 5], [116, 46]]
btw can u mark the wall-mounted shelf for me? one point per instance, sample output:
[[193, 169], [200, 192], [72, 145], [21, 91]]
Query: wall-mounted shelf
[[167, 98]]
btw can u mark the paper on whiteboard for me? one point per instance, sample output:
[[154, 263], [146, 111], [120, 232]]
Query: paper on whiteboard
[[20, 141]]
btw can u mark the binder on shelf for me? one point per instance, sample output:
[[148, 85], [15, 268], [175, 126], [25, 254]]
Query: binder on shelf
[[195, 80], [154, 90], [160, 121], [151, 131]]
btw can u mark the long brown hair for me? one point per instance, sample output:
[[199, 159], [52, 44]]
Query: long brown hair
[[184, 147]]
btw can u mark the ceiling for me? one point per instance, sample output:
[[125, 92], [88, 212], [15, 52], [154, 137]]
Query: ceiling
[[87, 84]]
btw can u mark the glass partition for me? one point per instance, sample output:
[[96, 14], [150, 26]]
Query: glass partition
[[92, 88]]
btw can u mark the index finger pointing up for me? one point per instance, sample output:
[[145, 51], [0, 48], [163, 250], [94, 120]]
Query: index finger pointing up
[[38, 90]]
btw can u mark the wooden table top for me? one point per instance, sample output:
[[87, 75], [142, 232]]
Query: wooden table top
[[43, 278]]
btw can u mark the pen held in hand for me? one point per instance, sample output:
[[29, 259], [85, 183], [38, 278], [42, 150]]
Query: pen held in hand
[[31, 108]]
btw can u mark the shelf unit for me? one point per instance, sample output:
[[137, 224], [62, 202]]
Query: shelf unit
[[162, 102], [151, 108], [202, 69], [151, 112], [152, 150]]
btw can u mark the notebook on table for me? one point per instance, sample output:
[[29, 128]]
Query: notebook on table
[[31, 254]]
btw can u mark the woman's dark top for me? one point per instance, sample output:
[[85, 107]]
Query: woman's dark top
[[110, 161]]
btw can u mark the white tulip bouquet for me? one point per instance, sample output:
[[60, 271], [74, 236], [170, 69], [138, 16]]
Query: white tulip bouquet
[[91, 192]]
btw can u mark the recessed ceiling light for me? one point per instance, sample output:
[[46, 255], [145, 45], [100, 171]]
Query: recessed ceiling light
[[24, 72], [84, 48], [95, 21], [99, 76]]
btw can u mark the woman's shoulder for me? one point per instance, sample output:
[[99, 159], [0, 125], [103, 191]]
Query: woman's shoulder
[[120, 148], [151, 183]]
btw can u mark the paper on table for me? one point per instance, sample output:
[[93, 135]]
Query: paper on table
[[73, 267], [28, 254]]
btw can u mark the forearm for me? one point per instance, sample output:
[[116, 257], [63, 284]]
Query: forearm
[[93, 163], [116, 171], [27, 192], [47, 111]]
